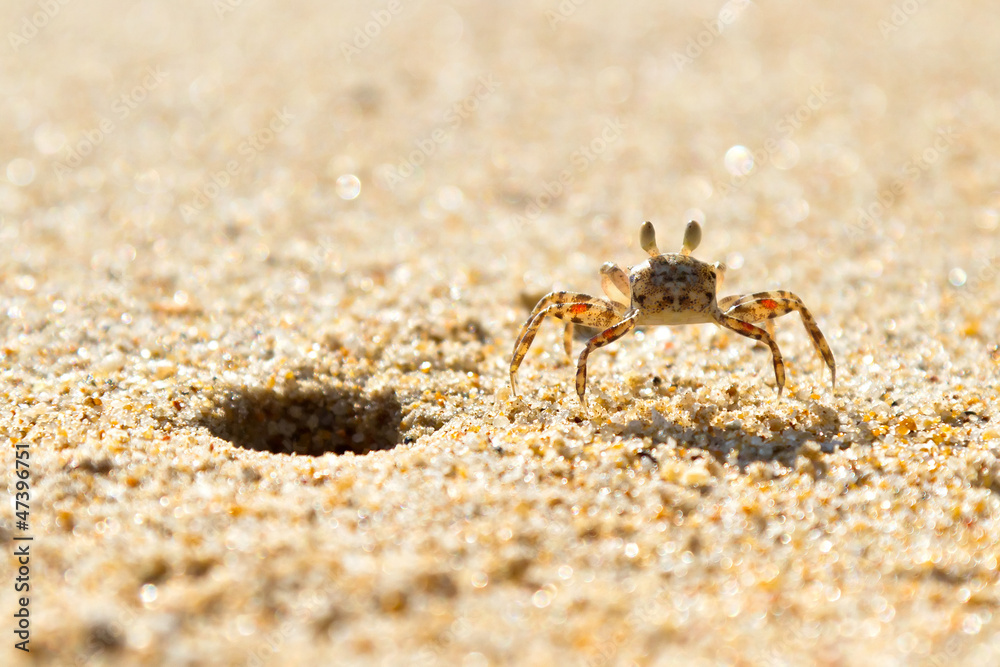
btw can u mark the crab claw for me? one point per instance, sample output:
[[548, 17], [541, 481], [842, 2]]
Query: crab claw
[[647, 239], [692, 237], [720, 274]]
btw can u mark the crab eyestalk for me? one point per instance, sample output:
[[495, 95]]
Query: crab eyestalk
[[692, 237], [647, 239]]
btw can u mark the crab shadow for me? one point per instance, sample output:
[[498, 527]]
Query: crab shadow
[[311, 422], [783, 446]]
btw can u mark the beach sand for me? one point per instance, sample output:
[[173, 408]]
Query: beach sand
[[263, 271]]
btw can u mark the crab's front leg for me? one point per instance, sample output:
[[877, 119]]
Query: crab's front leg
[[569, 306], [765, 306], [750, 331], [609, 335], [614, 282], [554, 298], [727, 305]]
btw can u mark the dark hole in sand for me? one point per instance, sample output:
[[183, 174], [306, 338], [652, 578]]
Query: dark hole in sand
[[312, 422]]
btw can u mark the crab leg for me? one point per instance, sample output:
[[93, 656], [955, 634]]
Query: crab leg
[[750, 331], [560, 297], [765, 306], [609, 335], [582, 309], [726, 305]]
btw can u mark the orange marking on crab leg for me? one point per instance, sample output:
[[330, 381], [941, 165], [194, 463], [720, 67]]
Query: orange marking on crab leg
[[578, 308], [769, 304]]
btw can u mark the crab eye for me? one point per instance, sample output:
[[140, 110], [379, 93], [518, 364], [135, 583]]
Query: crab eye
[[647, 238], [692, 237]]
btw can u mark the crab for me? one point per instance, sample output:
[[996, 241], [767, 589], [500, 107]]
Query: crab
[[666, 289]]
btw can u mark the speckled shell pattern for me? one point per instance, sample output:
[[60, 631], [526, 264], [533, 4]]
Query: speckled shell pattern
[[673, 289]]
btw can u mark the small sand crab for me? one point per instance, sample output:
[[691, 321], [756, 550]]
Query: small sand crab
[[668, 288]]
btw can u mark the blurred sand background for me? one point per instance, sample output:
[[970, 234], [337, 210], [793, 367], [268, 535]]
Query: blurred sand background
[[264, 264]]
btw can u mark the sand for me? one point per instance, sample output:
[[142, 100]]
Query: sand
[[264, 268]]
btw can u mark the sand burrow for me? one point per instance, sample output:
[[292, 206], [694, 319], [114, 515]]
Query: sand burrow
[[313, 420]]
